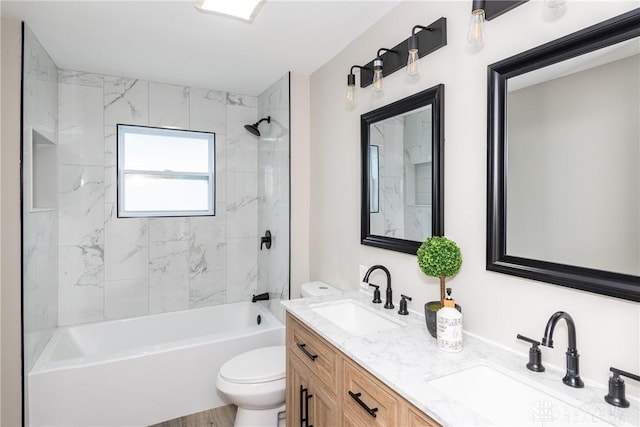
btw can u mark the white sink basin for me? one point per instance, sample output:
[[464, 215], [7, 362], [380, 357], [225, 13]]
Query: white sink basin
[[508, 401], [355, 318]]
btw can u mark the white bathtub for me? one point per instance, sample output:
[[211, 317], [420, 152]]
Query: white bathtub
[[141, 371]]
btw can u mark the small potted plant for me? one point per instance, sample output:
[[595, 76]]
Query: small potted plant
[[438, 257]]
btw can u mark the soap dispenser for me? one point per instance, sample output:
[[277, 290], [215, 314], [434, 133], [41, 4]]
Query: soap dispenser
[[449, 326]]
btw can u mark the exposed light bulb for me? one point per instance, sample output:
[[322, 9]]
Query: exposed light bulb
[[377, 75], [476, 27], [412, 63], [351, 97]]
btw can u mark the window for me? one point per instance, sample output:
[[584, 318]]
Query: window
[[165, 172]]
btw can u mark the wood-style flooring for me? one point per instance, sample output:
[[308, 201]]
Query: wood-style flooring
[[218, 417]]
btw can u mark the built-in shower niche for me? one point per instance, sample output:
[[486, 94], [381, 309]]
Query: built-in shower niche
[[44, 171], [417, 212]]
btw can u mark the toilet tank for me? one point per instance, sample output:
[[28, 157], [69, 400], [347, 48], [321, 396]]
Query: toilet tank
[[317, 289]]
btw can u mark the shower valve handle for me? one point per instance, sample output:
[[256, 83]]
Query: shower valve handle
[[266, 240]]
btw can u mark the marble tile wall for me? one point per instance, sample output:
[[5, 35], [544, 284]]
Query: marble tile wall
[[113, 267], [418, 167], [388, 135], [40, 226], [404, 177], [273, 193]]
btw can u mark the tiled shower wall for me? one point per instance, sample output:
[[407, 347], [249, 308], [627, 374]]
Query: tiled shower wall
[[113, 267], [273, 193], [39, 225], [404, 147]]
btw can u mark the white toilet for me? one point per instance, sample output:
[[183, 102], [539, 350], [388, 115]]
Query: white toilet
[[255, 380], [317, 289]]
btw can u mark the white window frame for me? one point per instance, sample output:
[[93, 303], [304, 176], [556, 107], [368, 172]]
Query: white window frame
[[208, 176]]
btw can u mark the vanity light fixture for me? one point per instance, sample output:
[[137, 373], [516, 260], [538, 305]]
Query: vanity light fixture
[[351, 86], [412, 61], [388, 61], [378, 65], [482, 10], [245, 10]]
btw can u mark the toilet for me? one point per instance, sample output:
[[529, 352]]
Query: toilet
[[255, 381], [318, 289]]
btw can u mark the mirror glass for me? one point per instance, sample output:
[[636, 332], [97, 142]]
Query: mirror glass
[[564, 161], [574, 161], [400, 144]]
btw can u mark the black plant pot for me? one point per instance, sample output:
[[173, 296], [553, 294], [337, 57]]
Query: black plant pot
[[430, 314]]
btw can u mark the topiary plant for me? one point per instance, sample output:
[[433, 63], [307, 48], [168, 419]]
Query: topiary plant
[[439, 257]]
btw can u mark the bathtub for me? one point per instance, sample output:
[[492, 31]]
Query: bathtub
[[141, 371]]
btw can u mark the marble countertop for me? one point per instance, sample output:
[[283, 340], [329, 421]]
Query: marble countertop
[[407, 358]]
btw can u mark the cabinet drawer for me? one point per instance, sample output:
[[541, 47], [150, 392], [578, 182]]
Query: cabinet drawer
[[368, 402], [317, 355]]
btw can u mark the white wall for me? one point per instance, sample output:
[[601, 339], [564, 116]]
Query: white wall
[[300, 180], [10, 360], [496, 306]]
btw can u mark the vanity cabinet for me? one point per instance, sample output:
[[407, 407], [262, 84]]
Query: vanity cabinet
[[327, 388]]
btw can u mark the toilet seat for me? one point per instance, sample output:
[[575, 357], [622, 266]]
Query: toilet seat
[[256, 366]]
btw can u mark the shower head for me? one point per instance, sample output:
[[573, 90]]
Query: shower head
[[253, 129]]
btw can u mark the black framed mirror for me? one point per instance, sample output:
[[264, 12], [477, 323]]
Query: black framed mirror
[[402, 201], [563, 190]]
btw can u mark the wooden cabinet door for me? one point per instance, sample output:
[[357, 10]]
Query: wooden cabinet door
[[296, 378], [308, 402], [416, 418]]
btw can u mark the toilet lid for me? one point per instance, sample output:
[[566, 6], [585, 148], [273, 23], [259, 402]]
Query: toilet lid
[[256, 366]]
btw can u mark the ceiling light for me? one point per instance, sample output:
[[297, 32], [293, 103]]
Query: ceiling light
[[242, 9]]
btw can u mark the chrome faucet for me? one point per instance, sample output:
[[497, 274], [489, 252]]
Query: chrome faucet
[[572, 377], [388, 303]]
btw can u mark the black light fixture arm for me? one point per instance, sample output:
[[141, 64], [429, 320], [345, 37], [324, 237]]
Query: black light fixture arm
[[351, 78], [384, 49], [420, 27], [412, 44], [357, 66]]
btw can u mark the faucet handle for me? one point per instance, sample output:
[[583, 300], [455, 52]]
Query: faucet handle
[[376, 294], [616, 395], [535, 355], [403, 305]]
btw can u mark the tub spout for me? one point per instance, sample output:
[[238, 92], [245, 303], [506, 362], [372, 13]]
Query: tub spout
[[260, 297]]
